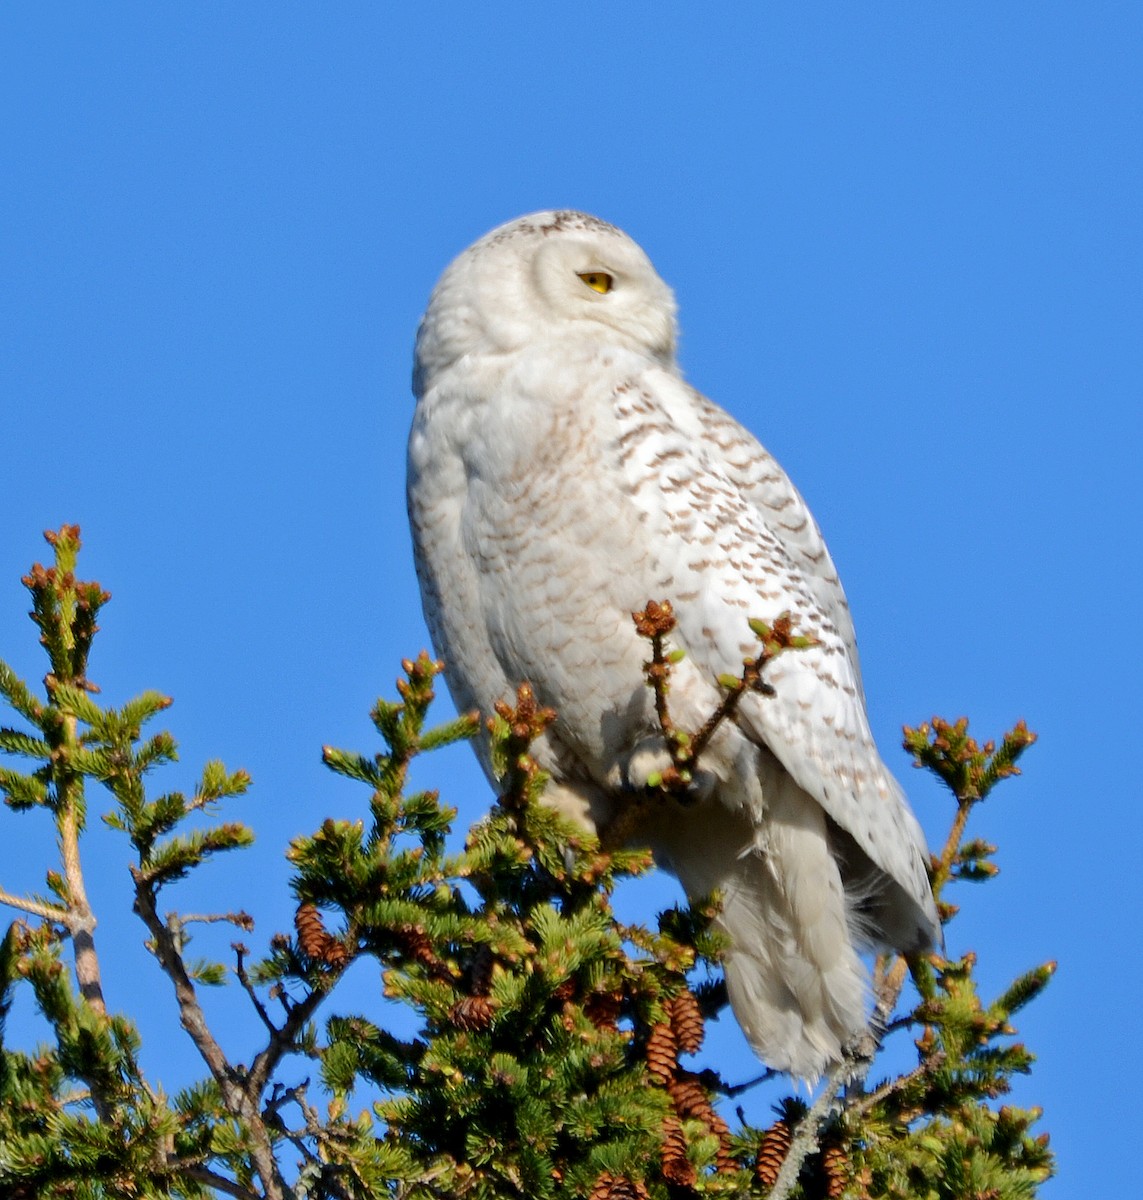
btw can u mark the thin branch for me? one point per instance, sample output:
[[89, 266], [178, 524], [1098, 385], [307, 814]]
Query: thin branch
[[283, 1040], [654, 623], [891, 1086], [807, 1135], [942, 869], [81, 920], [723, 712], [168, 950], [38, 909], [737, 1089], [314, 1129], [241, 919], [205, 1175], [240, 1095], [248, 987], [887, 989]]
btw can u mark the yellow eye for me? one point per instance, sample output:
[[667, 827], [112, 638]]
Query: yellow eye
[[598, 281]]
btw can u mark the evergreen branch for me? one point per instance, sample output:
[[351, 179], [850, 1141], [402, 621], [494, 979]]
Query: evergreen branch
[[217, 784], [1025, 989], [16, 741], [49, 912], [892, 1087], [465, 727], [18, 695], [354, 766], [172, 859], [23, 791], [74, 702]]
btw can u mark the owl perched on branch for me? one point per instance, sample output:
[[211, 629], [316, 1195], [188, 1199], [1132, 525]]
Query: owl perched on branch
[[561, 474]]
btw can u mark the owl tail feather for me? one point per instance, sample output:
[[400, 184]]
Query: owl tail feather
[[796, 984]]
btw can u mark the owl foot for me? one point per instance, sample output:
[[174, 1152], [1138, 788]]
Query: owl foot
[[649, 771]]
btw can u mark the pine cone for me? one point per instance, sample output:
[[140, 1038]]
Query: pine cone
[[315, 942], [692, 1101], [662, 1053], [613, 1187], [687, 1022], [472, 1013], [311, 931], [603, 1009], [689, 1098], [564, 990], [677, 1168], [416, 944], [723, 1160], [835, 1167], [772, 1151]]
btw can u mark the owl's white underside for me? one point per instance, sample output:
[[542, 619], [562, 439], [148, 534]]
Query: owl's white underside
[[562, 474]]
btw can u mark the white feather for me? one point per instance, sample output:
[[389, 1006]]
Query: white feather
[[562, 474]]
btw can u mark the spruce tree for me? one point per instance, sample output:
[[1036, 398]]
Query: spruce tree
[[546, 1057]]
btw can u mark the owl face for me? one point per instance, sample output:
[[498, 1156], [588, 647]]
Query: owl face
[[549, 277]]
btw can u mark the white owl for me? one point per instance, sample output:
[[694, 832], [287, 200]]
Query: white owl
[[561, 474]]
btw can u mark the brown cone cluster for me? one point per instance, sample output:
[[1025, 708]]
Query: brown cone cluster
[[689, 1096], [618, 1187], [418, 946], [687, 1022], [662, 1053], [772, 1152], [474, 1011], [603, 1009], [835, 1168], [677, 1167], [315, 941]]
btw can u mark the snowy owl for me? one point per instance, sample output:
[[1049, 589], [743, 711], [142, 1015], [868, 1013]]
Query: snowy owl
[[561, 474]]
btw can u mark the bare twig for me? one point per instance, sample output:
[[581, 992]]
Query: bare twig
[[314, 1129], [244, 979], [723, 712], [241, 919], [737, 1089], [654, 623], [239, 1094], [283, 1040]]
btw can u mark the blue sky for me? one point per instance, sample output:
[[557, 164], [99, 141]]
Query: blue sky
[[906, 244]]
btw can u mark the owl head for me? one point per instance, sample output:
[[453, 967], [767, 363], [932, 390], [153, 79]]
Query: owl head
[[548, 277]]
